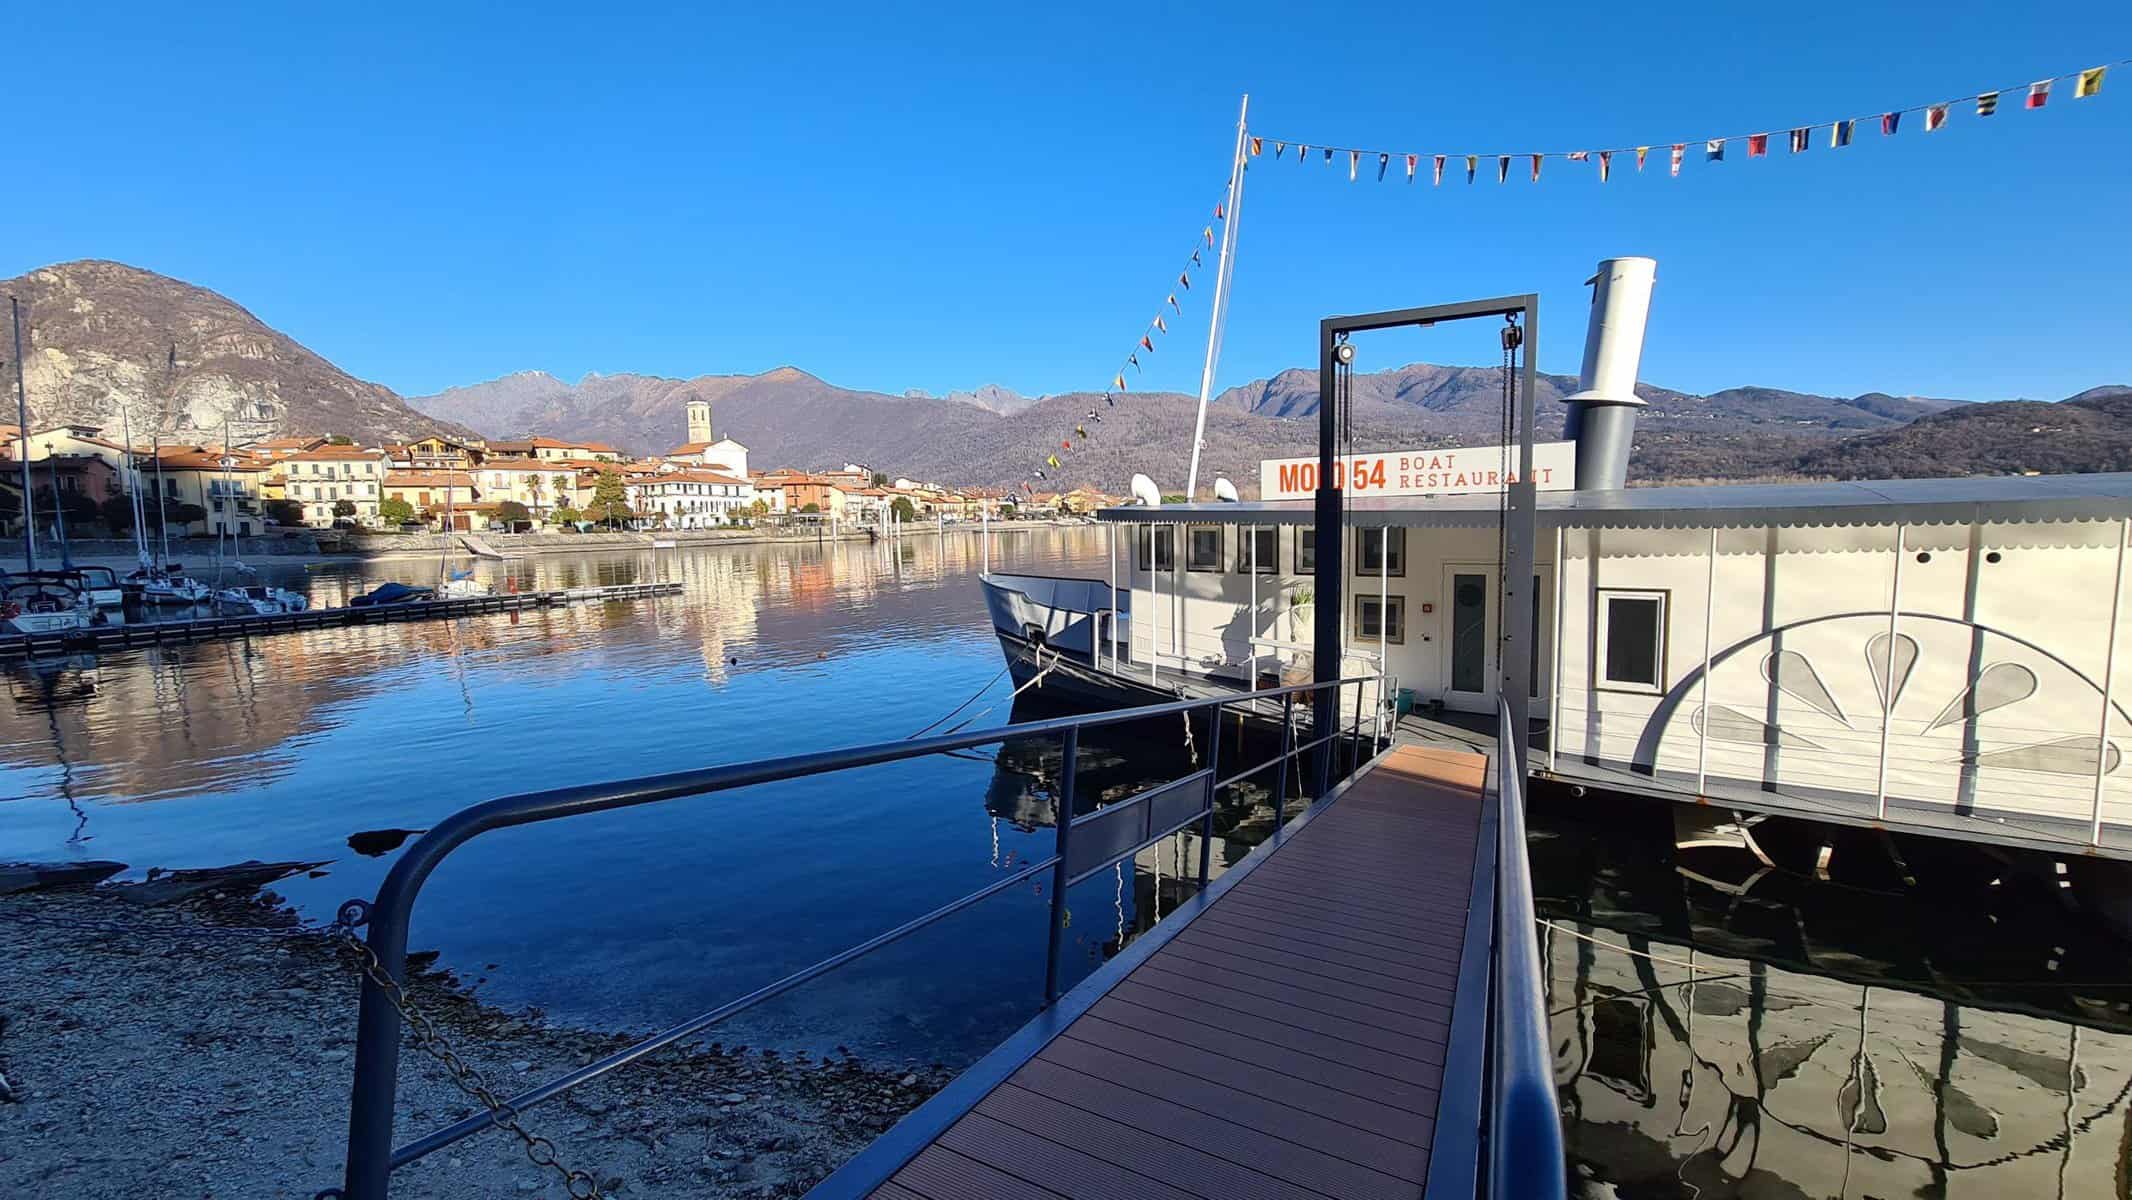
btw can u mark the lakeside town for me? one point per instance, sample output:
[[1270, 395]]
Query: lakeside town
[[325, 482]]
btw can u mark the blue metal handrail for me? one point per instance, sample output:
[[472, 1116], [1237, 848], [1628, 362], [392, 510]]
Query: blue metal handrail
[[1524, 1124], [371, 1157]]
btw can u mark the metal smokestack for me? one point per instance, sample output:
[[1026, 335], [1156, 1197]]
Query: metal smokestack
[[1602, 413]]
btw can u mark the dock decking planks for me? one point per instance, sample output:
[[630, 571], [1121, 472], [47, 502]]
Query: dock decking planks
[[1287, 1043]]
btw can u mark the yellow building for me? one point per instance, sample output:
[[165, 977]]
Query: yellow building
[[542, 486], [323, 477], [224, 485], [430, 493]]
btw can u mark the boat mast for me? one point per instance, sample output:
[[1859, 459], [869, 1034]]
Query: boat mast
[[1224, 271], [22, 444], [229, 512], [133, 492], [162, 512]]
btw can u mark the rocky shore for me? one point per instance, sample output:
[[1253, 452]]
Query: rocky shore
[[204, 1048]]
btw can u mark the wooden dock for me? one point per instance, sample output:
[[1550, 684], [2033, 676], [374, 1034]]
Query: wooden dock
[[156, 633], [1287, 1039]]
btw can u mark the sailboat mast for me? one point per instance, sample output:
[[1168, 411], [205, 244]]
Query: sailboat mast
[[22, 444], [133, 491], [229, 512], [162, 517], [1224, 270]]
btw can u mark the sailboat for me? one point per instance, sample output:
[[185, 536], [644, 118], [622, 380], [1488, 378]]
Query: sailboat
[[159, 580], [247, 599], [455, 585], [38, 601]]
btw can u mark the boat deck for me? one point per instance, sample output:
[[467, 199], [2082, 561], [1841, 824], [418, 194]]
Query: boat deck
[[1286, 1039]]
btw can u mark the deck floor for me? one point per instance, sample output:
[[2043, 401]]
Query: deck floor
[[1289, 1042]]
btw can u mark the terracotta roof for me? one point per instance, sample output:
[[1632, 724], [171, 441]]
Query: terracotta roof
[[457, 479], [332, 453], [525, 464], [199, 458], [697, 477]]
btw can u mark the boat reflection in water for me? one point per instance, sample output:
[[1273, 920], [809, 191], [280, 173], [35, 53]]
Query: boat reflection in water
[[1723, 1030]]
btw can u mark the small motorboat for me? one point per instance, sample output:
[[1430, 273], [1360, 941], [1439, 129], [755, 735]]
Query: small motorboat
[[258, 600], [43, 605], [392, 593]]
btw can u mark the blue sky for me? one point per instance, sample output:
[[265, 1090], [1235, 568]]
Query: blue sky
[[940, 198]]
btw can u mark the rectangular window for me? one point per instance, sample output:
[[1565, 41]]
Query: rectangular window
[[1632, 640], [1202, 548], [1306, 549], [1392, 613], [1158, 540], [1370, 552], [1258, 551]]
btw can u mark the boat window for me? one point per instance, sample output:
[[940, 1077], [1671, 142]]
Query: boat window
[[1306, 549], [1392, 613], [1258, 551], [1202, 548], [1370, 555], [1632, 639], [1157, 538]]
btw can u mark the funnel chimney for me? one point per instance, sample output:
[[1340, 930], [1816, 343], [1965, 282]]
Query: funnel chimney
[[1602, 412]]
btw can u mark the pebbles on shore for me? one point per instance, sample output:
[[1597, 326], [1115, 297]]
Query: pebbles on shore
[[142, 1052]]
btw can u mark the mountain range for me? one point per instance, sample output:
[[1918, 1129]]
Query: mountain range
[[99, 336]]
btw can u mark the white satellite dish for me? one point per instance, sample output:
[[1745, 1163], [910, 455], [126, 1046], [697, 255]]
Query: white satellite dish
[[1225, 491], [1145, 491]]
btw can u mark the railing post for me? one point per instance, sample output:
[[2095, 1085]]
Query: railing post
[[1206, 824], [368, 1171], [1064, 827], [1280, 788], [1354, 733]]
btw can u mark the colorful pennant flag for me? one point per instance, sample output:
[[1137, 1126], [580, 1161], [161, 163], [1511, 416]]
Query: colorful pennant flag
[[1714, 150], [1502, 168], [2089, 83], [1278, 147], [1146, 345], [1159, 325], [1257, 145], [1113, 400], [1798, 139], [1642, 152], [1889, 123], [1328, 154], [1680, 151], [1473, 161], [1935, 117], [1208, 233], [1195, 259], [1536, 167], [1580, 156], [1052, 461], [1839, 134], [1184, 280], [1439, 179], [1606, 163], [1081, 431], [1173, 304], [1302, 152], [1383, 161], [1757, 145], [1412, 161], [1987, 103], [1065, 445], [2039, 94], [1132, 360], [1354, 161], [1118, 384]]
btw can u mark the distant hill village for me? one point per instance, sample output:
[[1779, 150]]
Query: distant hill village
[[328, 482]]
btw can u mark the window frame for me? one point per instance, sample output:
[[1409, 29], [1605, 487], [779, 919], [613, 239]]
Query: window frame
[[1603, 680], [1396, 556], [1306, 536], [1250, 535], [1148, 553], [1393, 602], [1221, 546]]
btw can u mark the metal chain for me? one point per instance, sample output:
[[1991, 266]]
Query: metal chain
[[1189, 746], [539, 1150]]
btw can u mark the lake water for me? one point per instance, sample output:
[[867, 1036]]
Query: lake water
[[1717, 1033]]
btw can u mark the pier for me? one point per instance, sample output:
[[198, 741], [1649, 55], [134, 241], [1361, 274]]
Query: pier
[[161, 633]]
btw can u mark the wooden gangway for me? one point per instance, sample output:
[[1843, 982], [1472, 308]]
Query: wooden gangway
[[1289, 1039]]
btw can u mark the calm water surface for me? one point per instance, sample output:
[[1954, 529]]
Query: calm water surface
[[1717, 1033]]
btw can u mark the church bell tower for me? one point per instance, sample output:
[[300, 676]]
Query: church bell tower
[[699, 422]]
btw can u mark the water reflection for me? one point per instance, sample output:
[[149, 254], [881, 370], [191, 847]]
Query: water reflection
[[1722, 1033]]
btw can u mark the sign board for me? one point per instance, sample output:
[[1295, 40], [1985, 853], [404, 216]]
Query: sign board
[[1452, 471]]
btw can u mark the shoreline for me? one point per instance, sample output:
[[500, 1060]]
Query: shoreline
[[206, 1048]]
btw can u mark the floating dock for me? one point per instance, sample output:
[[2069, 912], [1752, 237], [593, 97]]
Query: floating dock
[[160, 633]]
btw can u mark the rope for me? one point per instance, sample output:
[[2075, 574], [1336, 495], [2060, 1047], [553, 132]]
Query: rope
[[949, 715], [1035, 680]]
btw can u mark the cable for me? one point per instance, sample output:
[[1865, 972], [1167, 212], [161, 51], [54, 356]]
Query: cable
[[949, 715]]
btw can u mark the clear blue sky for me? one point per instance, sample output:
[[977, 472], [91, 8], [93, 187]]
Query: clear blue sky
[[937, 199]]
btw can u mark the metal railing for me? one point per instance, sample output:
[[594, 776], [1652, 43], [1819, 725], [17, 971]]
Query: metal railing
[[1084, 845]]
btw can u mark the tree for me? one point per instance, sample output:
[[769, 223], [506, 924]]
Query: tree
[[285, 512], [394, 511], [610, 501], [880, 479], [566, 516], [759, 509], [514, 515], [343, 508], [810, 508], [117, 512], [340, 439], [181, 514], [902, 509]]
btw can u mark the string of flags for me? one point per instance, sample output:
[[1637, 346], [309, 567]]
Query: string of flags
[[1150, 337], [1800, 138]]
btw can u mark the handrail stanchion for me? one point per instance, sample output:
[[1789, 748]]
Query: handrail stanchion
[[1206, 824], [1280, 789], [1354, 732], [1062, 871]]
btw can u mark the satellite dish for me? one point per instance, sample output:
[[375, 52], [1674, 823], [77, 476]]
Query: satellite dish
[[1225, 491], [1145, 491]]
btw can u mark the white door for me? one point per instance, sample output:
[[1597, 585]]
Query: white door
[[1470, 632]]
